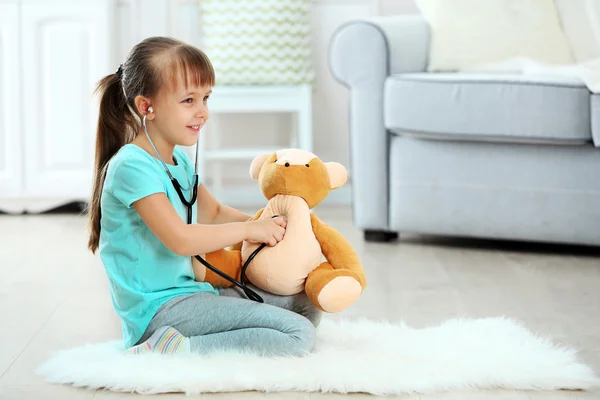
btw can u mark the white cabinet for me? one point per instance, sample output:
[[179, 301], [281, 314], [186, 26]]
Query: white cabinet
[[52, 55], [10, 104]]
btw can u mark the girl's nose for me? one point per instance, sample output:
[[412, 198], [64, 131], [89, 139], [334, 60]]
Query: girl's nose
[[202, 113]]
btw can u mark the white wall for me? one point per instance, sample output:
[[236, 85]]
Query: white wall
[[179, 18]]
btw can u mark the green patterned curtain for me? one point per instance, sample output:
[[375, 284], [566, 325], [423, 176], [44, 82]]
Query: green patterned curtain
[[258, 42]]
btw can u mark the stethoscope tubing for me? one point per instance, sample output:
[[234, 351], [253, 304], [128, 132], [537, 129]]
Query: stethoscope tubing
[[252, 295]]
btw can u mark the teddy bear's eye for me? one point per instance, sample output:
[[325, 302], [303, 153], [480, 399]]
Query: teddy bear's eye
[[307, 165]]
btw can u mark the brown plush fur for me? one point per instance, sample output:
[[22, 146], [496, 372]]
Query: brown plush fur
[[229, 262], [310, 183]]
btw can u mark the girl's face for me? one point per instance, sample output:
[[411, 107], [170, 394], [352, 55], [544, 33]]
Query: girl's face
[[180, 114]]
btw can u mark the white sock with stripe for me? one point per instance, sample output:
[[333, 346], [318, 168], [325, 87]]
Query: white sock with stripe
[[165, 340]]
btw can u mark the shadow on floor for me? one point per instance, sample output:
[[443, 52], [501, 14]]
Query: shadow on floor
[[499, 245]]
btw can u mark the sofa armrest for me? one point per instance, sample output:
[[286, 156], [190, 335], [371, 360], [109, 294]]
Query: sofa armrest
[[397, 44], [595, 116], [362, 54]]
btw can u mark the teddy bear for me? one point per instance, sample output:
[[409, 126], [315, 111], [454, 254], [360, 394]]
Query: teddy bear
[[294, 181]]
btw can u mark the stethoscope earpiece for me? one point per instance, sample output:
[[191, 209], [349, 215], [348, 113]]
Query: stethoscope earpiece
[[150, 110]]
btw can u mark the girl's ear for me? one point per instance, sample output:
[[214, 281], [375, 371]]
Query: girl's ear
[[257, 164], [337, 174], [142, 106]]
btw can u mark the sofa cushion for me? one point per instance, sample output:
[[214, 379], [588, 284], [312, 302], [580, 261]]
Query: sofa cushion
[[497, 107]]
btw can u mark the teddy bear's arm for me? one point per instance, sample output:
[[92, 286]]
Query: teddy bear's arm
[[336, 249], [257, 216]]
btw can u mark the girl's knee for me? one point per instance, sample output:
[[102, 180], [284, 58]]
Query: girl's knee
[[305, 335]]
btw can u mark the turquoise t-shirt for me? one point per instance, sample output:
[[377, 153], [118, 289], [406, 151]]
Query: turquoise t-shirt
[[142, 272]]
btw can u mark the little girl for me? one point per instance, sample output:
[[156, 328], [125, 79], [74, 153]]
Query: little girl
[[138, 221]]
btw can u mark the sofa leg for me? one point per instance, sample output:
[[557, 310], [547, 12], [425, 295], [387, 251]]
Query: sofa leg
[[380, 236]]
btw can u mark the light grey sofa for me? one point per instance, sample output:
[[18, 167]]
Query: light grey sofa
[[491, 156]]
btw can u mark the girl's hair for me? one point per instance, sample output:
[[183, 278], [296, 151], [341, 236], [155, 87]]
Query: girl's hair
[[154, 64]]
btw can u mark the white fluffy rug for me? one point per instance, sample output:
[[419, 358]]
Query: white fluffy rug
[[351, 356]]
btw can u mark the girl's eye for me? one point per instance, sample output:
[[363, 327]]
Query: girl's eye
[[190, 100], [206, 98]]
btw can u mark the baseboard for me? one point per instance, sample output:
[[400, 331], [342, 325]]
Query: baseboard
[[35, 205]]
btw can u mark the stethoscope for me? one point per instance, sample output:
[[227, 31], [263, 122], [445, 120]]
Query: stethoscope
[[252, 295]]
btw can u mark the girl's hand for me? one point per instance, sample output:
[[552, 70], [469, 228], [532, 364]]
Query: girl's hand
[[269, 231]]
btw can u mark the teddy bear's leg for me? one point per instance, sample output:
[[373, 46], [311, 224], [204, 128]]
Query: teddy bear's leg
[[227, 261], [332, 290]]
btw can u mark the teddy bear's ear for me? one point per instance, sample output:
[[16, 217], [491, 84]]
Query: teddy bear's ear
[[257, 164], [337, 174]]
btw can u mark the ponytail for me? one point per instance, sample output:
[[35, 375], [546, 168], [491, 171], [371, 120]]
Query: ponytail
[[116, 127]]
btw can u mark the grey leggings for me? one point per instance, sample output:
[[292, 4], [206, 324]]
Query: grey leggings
[[281, 326]]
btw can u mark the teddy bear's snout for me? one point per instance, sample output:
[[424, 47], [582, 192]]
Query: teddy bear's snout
[[287, 164]]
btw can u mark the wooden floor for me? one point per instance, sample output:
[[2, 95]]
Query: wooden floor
[[53, 294]]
